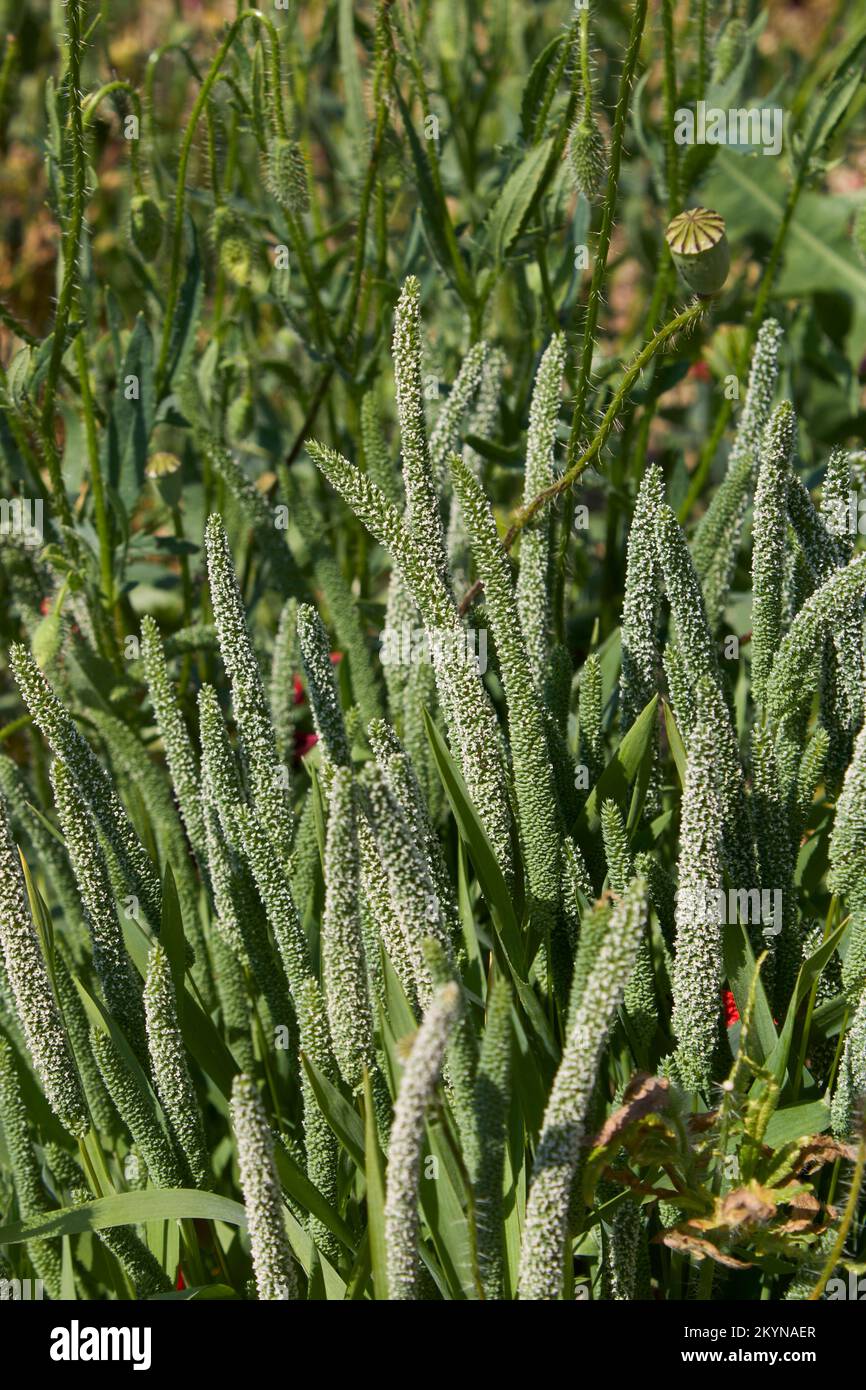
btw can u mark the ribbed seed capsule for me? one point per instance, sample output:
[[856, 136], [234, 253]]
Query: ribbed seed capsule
[[700, 250]]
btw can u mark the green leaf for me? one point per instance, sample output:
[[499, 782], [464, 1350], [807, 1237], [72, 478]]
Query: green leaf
[[818, 253], [183, 328], [620, 772], [344, 1121], [740, 969], [128, 1209], [809, 971], [308, 1196], [675, 739], [350, 68], [511, 209], [130, 420], [536, 84], [496, 892], [827, 107], [435, 216], [795, 1122]]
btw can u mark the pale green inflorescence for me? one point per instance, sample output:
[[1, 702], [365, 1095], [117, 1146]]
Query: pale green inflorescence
[[473, 731], [34, 1000], [344, 969], [482, 422], [32, 1197], [137, 1108], [399, 773], [847, 875], [415, 905], [380, 908], [281, 686], [423, 516], [790, 682], [694, 639], [492, 1089], [273, 1264], [533, 580], [717, 540], [179, 754], [850, 1094], [322, 687], [421, 1074], [640, 994], [538, 817], [170, 1071], [120, 982], [268, 777], [547, 1211], [640, 608], [91, 779], [769, 537], [446, 432], [589, 714], [698, 968]]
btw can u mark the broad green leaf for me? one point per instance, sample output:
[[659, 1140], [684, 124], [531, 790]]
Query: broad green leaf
[[125, 442], [344, 1121], [795, 1122], [508, 214], [740, 968], [185, 323], [128, 1209], [809, 971], [620, 772], [536, 84]]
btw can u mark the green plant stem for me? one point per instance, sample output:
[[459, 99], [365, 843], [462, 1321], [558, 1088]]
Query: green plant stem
[[183, 164], [103, 529], [847, 1219], [679, 323], [599, 271], [71, 246]]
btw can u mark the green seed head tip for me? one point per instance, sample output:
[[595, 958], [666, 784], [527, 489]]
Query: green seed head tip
[[587, 158], [700, 249], [146, 226]]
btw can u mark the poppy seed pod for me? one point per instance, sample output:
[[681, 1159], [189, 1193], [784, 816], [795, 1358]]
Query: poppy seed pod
[[145, 225], [700, 249]]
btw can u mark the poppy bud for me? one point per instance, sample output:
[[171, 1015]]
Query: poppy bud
[[146, 225], [729, 49], [286, 175], [587, 158], [700, 249]]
